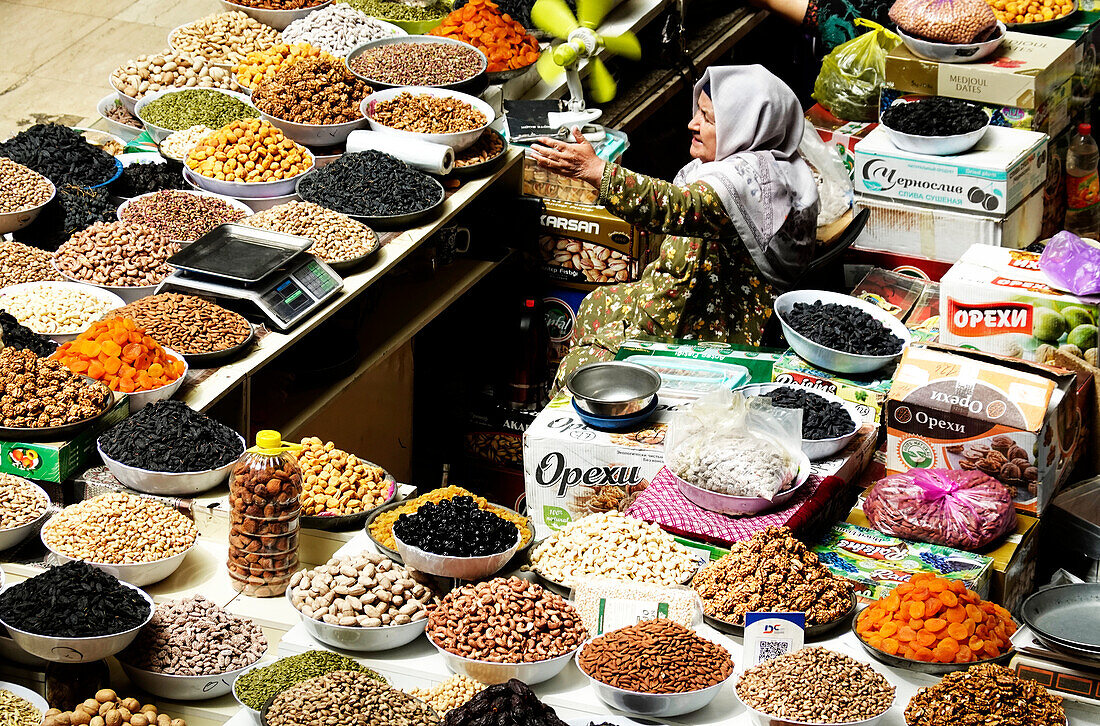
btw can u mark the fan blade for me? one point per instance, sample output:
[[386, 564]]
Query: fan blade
[[591, 12], [600, 81], [555, 17], [547, 68], [626, 45]]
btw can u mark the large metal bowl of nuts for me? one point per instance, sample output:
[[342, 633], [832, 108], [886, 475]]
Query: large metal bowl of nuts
[[139, 574], [360, 639], [79, 650], [38, 509], [160, 133], [490, 673], [658, 705], [371, 107], [759, 718], [12, 221], [182, 688]]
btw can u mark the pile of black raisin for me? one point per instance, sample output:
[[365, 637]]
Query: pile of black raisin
[[170, 436], [504, 704], [72, 210], [20, 337], [370, 184], [821, 418], [843, 327], [74, 600], [61, 155], [456, 528], [936, 116], [144, 178]]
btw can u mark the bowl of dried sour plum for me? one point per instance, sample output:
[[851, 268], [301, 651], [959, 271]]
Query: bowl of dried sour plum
[[840, 333], [936, 126], [828, 422]]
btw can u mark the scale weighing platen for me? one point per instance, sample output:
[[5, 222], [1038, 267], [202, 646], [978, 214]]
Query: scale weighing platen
[[269, 271]]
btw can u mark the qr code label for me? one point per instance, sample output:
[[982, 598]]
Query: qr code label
[[769, 649]]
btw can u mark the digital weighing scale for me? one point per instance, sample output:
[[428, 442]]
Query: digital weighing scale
[[266, 271]]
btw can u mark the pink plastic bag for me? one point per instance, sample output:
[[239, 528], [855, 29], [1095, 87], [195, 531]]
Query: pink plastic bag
[[1072, 264], [957, 508]]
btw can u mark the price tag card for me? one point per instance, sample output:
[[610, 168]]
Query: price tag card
[[615, 613], [770, 635]]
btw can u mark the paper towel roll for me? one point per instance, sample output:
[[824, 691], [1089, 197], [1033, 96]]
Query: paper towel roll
[[421, 155]]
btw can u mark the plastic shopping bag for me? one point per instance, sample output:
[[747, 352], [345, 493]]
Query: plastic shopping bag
[[834, 186], [1072, 264], [851, 75]]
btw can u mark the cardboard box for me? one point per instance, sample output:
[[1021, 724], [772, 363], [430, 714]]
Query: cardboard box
[[1024, 72], [951, 408], [571, 470], [546, 184], [998, 301], [759, 361], [940, 234], [56, 461], [841, 135], [868, 394], [1052, 117], [1003, 170], [583, 247], [1014, 559], [876, 563]]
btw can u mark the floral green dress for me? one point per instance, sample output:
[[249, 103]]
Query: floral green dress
[[703, 285]]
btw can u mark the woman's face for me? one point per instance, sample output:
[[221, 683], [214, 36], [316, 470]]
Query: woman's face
[[704, 139]]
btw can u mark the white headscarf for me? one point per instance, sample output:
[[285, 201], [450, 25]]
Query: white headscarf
[[766, 187]]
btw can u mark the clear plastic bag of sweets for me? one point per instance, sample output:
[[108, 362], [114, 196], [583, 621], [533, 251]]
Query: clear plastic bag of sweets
[[962, 509]]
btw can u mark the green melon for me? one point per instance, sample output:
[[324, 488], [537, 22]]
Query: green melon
[[1083, 336], [1076, 315]]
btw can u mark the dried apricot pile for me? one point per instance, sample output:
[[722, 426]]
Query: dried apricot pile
[[482, 24], [935, 620], [119, 353]]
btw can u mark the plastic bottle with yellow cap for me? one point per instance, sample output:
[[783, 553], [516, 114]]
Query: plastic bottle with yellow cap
[[264, 492]]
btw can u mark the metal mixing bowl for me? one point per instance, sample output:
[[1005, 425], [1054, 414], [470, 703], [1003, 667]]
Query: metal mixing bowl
[[615, 388]]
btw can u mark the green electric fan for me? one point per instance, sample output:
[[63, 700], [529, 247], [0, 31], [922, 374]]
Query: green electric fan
[[582, 40]]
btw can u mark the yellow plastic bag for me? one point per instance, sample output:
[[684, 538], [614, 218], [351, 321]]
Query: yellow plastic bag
[[853, 72]]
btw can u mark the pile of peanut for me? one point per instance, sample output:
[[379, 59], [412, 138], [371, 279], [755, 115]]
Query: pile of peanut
[[335, 482], [119, 529], [21, 188], [223, 38], [23, 263], [336, 237], [249, 150]]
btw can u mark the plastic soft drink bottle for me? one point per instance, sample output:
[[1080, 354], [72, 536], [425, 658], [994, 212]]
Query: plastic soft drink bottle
[[1083, 185]]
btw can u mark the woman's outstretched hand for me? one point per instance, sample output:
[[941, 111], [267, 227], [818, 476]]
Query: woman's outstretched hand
[[576, 161]]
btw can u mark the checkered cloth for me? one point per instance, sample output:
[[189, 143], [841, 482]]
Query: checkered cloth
[[663, 504]]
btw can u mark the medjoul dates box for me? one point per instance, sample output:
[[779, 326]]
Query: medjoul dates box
[[999, 301], [951, 408]]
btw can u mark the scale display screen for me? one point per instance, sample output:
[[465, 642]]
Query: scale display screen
[[291, 296]]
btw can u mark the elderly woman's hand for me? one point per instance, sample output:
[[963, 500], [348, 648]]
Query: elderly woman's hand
[[576, 161]]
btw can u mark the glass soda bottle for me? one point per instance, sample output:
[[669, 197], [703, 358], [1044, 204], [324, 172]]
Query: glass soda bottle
[[1083, 185], [265, 488]]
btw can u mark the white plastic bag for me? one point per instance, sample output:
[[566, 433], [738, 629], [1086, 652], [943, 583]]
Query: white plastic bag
[[735, 445], [834, 186]]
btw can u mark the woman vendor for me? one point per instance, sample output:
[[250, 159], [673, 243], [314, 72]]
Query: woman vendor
[[739, 221]]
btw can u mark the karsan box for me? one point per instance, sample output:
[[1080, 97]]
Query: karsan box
[[951, 408], [583, 247], [1024, 72], [998, 301], [1003, 170], [928, 231]]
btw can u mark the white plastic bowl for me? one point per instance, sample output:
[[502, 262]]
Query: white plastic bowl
[[347, 637], [12, 221], [166, 483], [462, 568], [759, 718], [79, 650], [141, 399], [27, 695], [490, 673], [138, 574], [936, 145], [831, 359], [130, 102], [124, 132], [182, 688], [814, 449], [14, 535], [277, 19], [315, 134], [457, 141], [247, 190], [654, 705], [953, 52], [236, 204], [115, 301], [159, 133]]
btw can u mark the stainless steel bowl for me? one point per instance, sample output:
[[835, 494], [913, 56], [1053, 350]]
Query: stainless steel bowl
[[359, 639], [759, 718], [730, 504], [182, 688], [490, 673], [79, 650], [815, 449], [461, 568], [14, 535], [659, 705], [168, 483], [614, 388], [138, 574]]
